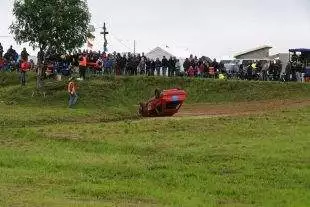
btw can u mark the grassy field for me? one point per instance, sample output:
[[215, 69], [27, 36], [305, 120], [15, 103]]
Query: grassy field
[[117, 98], [249, 161], [53, 156]]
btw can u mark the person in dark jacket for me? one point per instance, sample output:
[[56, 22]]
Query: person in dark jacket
[[123, 64], [24, 55], [118, 66], [153, 66], [215, 64], [249, 72], [10, 55], [164, 64], [1, 50], [148, 67], [186, 64], [157, 66], [171, 67]]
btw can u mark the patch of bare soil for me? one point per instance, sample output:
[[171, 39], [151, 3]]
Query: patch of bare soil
[[240, 108]]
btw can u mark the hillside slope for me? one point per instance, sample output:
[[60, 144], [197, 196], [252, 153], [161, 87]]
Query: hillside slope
[[116, 98]]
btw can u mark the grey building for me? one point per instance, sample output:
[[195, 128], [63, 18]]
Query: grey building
[[256, 53]]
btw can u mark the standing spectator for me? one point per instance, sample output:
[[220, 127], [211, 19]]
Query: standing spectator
[[249, 72], [242, 72], [24, 68], [215, 64], [196, 61], [186, 64], [294, 57], [165, 65], [143, 56], [191, 72], [138, 58], [265, 68], [72, 91], [118, 65], [103, 56], [11, 51], [136, 62], [90, 57], [108, 65], [191, 58], [277, 70], [141, 67], [157, 66], [192, 61], [75, 61], [171, 67], [196, 70], [153, 66], [24, 55], [1, 50], [113, 59], [148, 67], [11, 55], [201, 71], [83, 66], [123, 64], [177, 67], [130, 65]]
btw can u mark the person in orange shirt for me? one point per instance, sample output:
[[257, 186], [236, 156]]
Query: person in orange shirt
[[72, 91], [83, 66]]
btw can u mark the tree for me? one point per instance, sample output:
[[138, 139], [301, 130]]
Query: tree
[[58, 24]]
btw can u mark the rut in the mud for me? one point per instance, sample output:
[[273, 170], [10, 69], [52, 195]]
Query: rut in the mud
[[241, 108]]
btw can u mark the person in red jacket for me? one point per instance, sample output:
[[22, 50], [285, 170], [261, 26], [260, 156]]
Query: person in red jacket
[[23, 70]]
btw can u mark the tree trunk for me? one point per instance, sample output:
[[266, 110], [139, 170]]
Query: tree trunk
[[40, 71]]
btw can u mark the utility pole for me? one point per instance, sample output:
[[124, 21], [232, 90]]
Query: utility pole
[[105, 33], [134, 47]]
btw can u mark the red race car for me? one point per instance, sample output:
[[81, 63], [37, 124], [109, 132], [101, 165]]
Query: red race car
[[165, 103]]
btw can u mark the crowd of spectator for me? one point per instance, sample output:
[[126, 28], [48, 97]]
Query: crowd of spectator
[[11, 60], [117, 64], [139, 64], [131, 64]]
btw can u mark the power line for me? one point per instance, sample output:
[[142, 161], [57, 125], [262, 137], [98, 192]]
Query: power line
[[120, 41], [117, 39]]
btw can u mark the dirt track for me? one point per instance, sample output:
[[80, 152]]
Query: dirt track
[[241, 108]]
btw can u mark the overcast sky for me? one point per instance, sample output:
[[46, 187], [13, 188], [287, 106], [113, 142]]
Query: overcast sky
[[215, 28]]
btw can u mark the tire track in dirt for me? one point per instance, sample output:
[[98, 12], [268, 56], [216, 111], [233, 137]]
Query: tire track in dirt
[[211, 110], [240, 108]]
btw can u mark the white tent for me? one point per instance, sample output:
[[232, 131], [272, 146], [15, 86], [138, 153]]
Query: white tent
[[158, 52], [180, 53]]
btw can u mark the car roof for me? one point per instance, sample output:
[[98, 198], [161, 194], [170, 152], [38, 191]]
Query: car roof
[[300, 50]]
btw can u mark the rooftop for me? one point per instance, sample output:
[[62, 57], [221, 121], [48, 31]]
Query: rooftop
[[253, 50]]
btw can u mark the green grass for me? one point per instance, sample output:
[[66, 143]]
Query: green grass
[[249, 161], [121, 91], [52, 156], [117, 98]]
